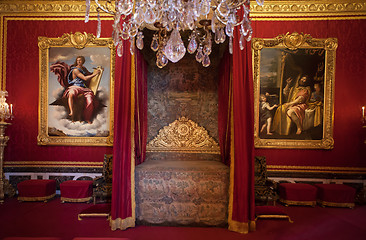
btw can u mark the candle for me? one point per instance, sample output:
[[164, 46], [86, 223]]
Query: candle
[[363, 112], [11, 109]]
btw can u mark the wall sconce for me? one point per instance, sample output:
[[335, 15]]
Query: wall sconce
[[363, 119], [6, 112]]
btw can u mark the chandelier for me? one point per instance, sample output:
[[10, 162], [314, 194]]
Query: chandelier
[[208, 21]]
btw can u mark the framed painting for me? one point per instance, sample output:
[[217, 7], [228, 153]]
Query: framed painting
[[76, 90], [294, 91]]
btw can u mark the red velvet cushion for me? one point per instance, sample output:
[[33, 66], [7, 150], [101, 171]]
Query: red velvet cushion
[[37, 188], [297, 191], [76, 189], [337, 193], [269, 210]]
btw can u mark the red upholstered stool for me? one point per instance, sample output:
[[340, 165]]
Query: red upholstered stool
[[76, 191], [271, 212], [297, 194], [336, 195], [36, 190]]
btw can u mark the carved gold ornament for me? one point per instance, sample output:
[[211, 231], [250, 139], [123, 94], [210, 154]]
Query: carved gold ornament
[[183, 135]]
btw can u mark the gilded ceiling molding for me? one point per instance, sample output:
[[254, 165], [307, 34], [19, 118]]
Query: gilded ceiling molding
[[270, 9], [305, 8]]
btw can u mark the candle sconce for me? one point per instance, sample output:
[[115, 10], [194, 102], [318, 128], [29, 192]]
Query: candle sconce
[[6, 112], [363, 119]]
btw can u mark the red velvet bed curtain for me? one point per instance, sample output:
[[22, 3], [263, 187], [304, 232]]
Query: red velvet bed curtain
[[130, 126], [123, 197], [241, 197]]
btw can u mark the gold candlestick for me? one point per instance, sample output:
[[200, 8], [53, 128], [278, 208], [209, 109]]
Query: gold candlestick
[[5, 187], [5, 113]]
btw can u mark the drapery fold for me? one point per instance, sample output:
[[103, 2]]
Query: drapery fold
[[140, 108], [241, 193], [123, 196], [224, 107]]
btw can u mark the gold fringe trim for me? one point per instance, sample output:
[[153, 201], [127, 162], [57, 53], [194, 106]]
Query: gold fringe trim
[[232, 223], [122, 224], [241, 227], [302, 203], [33, 199], [87, 199], [133, 87], [333, 204]]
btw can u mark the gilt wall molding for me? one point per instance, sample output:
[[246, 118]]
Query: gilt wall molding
[[270, 9], [303, 8]]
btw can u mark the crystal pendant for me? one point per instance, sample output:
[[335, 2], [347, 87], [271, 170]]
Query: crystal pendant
[[139, 16], [207, 49], [222, 35], [190, 21], [120, 49], [249, 36], [125, 7], [132, 46], [192, 46], [218, 36], [150, 16], [205, 7], [115, 36], [206, 61], [133, 30], [213, 22], [125, 30], [245, 27], [175, 50], [161, 59], [231, 45], [229, 29], [199, 54], [99, 26], [154, 43], [241, 42], [139, 40], [87, 11]]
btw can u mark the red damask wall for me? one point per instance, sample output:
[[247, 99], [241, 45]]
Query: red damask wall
[[22, 83]]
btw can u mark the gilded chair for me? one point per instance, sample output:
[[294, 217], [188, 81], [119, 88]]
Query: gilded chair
[[265, 189], [102, 186]]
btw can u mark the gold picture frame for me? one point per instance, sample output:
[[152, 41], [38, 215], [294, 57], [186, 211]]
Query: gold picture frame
[[90, 122], [294, 91]]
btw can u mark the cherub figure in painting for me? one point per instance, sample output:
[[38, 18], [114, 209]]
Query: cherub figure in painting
[[265, 114]]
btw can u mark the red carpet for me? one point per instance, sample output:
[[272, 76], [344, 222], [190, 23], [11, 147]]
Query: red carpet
[[54, 219]]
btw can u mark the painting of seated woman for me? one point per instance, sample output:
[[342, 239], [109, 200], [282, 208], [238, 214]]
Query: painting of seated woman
[[80, 97]]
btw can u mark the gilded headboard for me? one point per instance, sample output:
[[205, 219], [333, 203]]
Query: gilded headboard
[[185, 136]]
